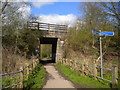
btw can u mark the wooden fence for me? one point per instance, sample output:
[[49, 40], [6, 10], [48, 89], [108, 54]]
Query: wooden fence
[[92, 70], [15, 79]]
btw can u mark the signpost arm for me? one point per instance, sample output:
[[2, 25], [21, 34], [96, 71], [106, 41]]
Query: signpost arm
[[101, 70]]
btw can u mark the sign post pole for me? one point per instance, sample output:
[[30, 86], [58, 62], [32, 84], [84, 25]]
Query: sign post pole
[[101, 65], [100, 34]]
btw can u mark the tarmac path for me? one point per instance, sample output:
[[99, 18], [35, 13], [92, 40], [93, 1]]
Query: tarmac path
[[55, 80]]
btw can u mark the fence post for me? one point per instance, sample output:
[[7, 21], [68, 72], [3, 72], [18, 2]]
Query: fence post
[[33, 63], [95, 71], [61, 61], [74, 64], [65, 61], [27, 69], [36, 62], [114, 76], [21, 77], [71, 64], [83, 68]]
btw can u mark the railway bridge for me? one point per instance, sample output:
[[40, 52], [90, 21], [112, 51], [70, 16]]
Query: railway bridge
[[51, 34]]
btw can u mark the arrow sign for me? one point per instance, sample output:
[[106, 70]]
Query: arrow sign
[[106, 33]]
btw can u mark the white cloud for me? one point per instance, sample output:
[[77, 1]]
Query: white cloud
[[42, 3], [69, 19]]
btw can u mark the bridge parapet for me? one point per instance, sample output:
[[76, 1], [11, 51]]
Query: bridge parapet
[[50, 29]]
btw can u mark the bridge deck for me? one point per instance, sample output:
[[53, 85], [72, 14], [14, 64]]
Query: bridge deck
[[47, 27]]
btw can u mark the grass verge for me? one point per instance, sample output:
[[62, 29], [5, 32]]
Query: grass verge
[[36, 78], [84, 81]]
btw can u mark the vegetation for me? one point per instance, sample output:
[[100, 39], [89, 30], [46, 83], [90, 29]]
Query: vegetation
[[83, 81], [9, 81], [81, 45], [36, 78], [46, 51], [18, 43], [80, 41]]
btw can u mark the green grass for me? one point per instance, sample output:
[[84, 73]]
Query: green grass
[[84, 81], [10, 81], [36, 78]]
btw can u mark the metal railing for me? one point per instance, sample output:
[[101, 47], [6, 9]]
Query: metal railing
[[8, 79]]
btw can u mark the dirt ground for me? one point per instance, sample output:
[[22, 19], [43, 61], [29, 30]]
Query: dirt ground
[[55, 80]]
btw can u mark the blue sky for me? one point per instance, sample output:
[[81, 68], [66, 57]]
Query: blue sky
[[61, 8], [56, 12]]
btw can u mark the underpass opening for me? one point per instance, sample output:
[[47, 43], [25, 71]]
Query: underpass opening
[[46, 52], [52, 44]]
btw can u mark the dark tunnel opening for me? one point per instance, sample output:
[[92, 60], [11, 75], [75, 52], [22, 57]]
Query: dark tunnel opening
[[53, 42]]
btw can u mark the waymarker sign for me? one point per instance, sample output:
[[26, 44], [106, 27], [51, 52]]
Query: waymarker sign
[[102, 33]]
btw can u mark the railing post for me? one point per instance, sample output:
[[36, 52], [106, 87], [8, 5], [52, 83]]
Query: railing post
[[95, 71], [21, 77], [38, 25], [48, 28], [114, 76], [58, 27], [66, 28]]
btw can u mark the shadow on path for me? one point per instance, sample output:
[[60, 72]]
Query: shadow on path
[[45, 62]]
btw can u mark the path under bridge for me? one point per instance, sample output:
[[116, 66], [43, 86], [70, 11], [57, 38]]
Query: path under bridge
[[52, 34]]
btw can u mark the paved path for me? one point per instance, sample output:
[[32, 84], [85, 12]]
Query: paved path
[[55, 80]]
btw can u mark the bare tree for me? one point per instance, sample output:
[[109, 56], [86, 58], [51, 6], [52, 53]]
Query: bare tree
[[111, 9], [4, 5]]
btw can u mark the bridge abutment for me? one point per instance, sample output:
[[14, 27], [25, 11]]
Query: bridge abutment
[[57, 47], [59, 50]]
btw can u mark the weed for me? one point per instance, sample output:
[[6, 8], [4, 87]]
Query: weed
[[36, 78], [85, 82]]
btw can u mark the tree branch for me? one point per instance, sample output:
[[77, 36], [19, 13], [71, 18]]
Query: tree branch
[[4, 5]]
